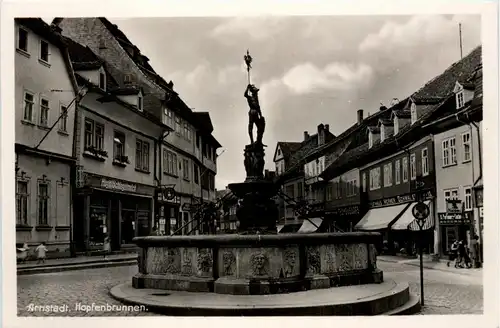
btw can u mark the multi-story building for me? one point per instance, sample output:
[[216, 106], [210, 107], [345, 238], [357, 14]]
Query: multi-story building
[[115, 143], [188, 154], [229, 204], [292, 176], [45, 91], [395, 158], [458, 164]]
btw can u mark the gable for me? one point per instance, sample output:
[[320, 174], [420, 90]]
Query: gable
[[278, 153]]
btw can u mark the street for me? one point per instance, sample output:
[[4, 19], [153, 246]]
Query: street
[[81, 293]]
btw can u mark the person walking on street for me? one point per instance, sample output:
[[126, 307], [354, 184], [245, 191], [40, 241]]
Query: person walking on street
[[453, 254], [474, 245], [41, 252], [106, 246]]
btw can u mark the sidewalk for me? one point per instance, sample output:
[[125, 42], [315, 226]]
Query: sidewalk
[[429, 264], [76, 263]]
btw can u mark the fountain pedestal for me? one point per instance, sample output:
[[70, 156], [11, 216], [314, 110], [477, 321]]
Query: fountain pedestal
[[257, 213]]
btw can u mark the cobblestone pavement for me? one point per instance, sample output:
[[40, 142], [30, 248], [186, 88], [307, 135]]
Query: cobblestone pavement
[[445, 292]]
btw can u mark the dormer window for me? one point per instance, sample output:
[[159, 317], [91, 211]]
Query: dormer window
[[413, 112], [396, 125], [370, 140], [139, 103], [382, 134], [460, 99], [127, 79], [102, 81]]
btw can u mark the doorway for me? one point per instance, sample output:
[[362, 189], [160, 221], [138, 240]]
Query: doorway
[[128, 226]]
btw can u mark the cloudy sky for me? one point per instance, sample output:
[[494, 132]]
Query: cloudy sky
[[310, 70]]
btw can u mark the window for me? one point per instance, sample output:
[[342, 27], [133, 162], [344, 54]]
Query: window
[[196, 174], [178, 127], [89, 133], [169, 162], [139, 102], [102, 81], [29, 102], [351, 188], [279, 152], [425, 162], [99, 136], [460, 99], [413, 112], [44, 51], [185, 169], [388, 175], [63, 121], [169, 117], [22, 42], [466, 146], [375, 178], [468, 198], [44, 112], [22, 202], [142, 155], [413, 167], [398, 171], [405, 169], [364, 182], [329, 192], [450, 194], [119, 146], [43, 203], [449, 152]]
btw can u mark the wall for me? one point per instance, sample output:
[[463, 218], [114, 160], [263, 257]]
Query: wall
[[126, 121], [40, 79], [403, 187], [60, 207], [459, 175], [343, 199]]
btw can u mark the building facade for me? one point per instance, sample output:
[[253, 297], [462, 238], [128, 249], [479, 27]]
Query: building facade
[[188, 154], [45, 91]]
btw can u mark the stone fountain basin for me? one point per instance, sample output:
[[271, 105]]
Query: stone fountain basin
[[257, 264]]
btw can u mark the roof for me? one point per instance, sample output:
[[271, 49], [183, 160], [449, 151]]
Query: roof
[[289, 148], [402, 113], [38, 26], [442, 85], [82, 57], [126, 91], [204, 121], [384, 121], [435, 95]]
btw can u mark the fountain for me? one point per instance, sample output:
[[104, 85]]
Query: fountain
[[260, 272]]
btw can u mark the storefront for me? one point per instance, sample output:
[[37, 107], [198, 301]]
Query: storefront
[[119, 209], [393, 218], [454, 227], [168, 213], [342, 218]]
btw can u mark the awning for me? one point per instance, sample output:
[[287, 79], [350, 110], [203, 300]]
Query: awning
[[380, 218], [310, 225], [407, 218], [290, 227], [279, 227]]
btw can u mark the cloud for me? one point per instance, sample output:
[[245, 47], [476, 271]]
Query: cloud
[[257, 28], [307, 78]]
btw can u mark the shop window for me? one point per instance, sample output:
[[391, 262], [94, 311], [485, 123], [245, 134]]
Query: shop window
[[143, 221], [97, 226], [43, 202], [22, 195]]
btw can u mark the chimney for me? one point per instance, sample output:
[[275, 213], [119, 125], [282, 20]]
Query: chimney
[[306, 135], [360, 116], [327, 127], [382, 107], [321, 134]]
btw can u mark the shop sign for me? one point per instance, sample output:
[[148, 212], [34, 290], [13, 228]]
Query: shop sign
[[345, 210], [454, 219], [118, 185], [399, 199]]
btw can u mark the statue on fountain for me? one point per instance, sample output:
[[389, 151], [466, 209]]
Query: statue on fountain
[[254, 114]]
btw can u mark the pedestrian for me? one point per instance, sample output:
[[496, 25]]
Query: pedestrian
[[106, 246], [453, 254], [41, 251], [474, 245]]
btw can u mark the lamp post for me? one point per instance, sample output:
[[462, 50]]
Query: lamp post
[[420, 212]]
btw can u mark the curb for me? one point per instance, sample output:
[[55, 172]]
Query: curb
[[425, 266], [76, 266]]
